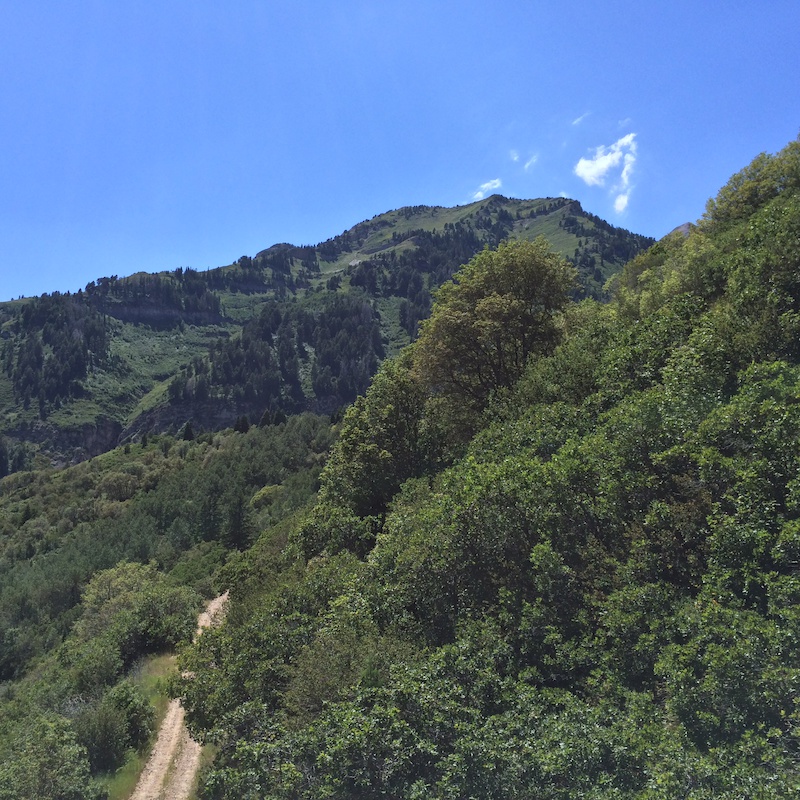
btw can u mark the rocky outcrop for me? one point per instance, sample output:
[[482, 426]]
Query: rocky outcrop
[[70, 445], [210, 416]]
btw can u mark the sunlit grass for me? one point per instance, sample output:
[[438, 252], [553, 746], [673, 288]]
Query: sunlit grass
[[151, 675], [207, 755], [120, 785]]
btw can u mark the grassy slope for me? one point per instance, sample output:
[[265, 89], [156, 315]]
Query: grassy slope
[[151, 676], [434, 218]]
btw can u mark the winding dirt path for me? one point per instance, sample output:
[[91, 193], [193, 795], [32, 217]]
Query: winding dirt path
[[171, 770]]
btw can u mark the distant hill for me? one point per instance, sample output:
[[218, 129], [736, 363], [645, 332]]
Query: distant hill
[[289, 329]]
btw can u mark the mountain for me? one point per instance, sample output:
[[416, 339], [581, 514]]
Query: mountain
[[289, 329], [551, 551]]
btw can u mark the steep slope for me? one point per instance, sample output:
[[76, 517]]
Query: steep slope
[[586, 586]]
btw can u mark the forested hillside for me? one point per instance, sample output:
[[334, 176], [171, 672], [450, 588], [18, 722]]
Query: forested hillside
[[290, 329], [549, 550], [555, 550]]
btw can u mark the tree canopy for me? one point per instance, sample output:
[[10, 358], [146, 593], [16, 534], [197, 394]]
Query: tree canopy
[[500, 309]]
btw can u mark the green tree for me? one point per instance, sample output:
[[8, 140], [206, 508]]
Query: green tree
[[4, 457], [500, 309], [128, 610], [122, 719], [47, 763], [382, 443]]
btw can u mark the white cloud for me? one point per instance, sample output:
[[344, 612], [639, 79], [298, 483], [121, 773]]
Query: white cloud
[[627, 169], [531, 161], [514, 155], [593, 170], [605, 162], [489, 186], [581, 118]]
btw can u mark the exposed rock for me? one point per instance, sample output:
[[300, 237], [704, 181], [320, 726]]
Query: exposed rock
[[683, 229], [67, 445]]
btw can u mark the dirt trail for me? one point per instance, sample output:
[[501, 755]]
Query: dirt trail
[[172, 767]]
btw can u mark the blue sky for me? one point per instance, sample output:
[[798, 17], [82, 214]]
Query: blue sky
[[148, 136]]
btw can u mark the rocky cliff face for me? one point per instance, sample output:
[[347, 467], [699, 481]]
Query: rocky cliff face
[[171, 419], [69, 445]]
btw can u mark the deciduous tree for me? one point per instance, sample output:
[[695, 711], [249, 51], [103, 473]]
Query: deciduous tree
[[501, 308]]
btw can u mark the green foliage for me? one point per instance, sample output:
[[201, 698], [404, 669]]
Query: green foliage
[[127, 612], [554, 552], [381, 444], [755, 186], [120, 720], [46, 761], [132, 610], [572, 373], [164, 300], [593, 596], [182, 505], [727, 674], [502, 308], [59, 339], [223, 677]]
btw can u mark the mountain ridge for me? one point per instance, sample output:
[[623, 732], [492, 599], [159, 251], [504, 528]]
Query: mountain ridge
[[83, 371]]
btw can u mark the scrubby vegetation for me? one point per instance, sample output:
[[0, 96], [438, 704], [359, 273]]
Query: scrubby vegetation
[[581, 582], [105, 563]]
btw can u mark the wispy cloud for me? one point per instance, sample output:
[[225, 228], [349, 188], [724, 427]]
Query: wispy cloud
[[581, 118], [605, 162], [593, 171], [489, 186], [531, 161], [513, 155]]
